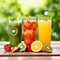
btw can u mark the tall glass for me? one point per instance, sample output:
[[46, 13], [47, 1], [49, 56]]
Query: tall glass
[[29, 31], [44, 31], [15, 32]]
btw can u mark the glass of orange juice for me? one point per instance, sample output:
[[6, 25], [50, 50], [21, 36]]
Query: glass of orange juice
[[44, 31]]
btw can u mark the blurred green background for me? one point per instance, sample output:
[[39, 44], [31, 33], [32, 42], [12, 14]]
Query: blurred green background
[[17, 8]]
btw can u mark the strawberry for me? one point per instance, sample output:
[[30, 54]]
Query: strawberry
[[7, 48], [15, 49], [27, 25], [33, 25]]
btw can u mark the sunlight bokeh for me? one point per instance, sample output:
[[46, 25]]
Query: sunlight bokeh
[[26, 5]]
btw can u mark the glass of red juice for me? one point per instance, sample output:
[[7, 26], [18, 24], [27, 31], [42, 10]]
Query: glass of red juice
[[29, 31]]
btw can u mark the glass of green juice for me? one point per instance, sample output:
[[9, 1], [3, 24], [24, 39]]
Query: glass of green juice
[[15, 32]]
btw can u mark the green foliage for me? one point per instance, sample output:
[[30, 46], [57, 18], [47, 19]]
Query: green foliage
[[12, 9]]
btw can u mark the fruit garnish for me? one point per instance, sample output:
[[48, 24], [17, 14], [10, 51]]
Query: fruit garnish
[[15, 49], [13, 31], [29, 48], [22, 46], [47, 48], [7, 48], [36, 46]]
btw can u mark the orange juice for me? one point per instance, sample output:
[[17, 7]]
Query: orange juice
[[44, 31]]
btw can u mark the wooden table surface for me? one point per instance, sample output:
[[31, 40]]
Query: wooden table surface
[[55, 55], [55, 45]]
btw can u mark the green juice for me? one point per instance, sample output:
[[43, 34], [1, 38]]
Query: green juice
[[15, 32]]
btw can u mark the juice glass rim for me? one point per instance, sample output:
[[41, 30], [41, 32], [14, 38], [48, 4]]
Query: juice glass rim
[[29, 18], [46, 19]]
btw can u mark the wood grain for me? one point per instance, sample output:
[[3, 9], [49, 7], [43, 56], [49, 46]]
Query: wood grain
[[55, 45]]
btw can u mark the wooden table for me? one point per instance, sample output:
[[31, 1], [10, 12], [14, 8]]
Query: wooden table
[[55, 55]]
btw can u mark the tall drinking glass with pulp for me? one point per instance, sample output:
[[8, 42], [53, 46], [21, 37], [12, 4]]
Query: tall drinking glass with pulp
[[15, 32], [44, 31], [29, 31]]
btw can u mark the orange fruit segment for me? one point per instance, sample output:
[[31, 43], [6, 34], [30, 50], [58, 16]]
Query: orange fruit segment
[[36, 46]]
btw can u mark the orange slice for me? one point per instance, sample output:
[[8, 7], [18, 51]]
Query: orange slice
[[36, 46]]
